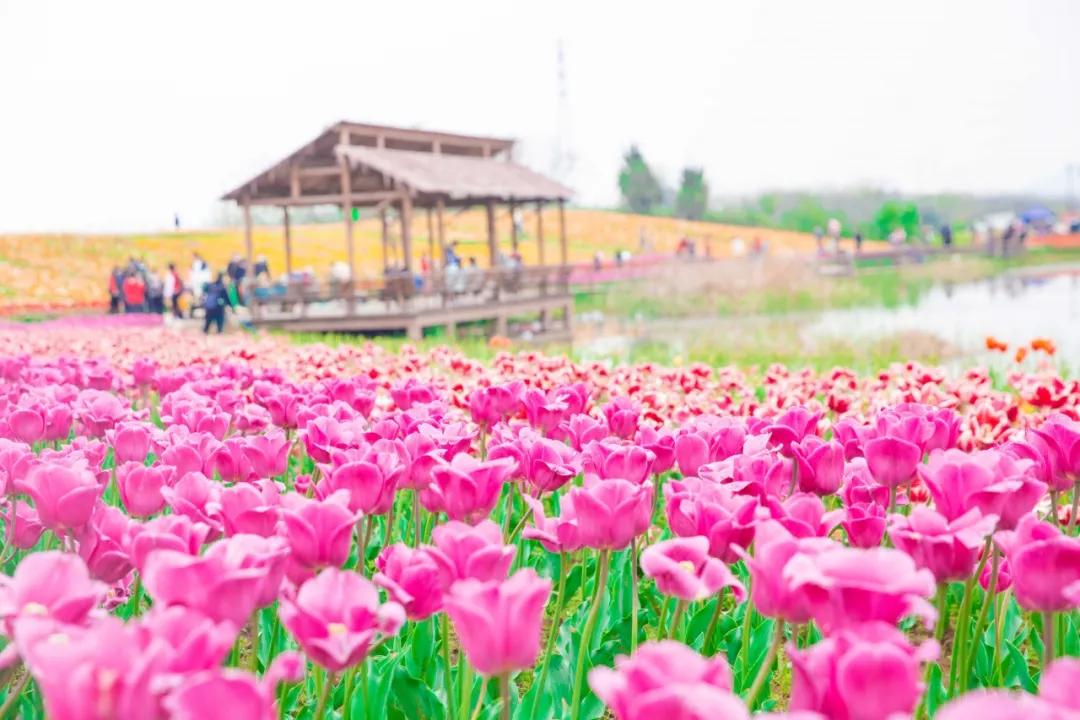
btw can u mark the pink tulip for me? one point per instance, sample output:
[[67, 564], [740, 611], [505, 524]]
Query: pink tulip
[[545, 412], [549, 464], [792, 426], [267, 454], [821, 465], [52, 584], [611, 513], [103, 544], [1004, 577], [211, 584], [27, 424], [412, 392], [64, 495], [369, 483], [804, 515], [683, 569], [1044, 563], [771, 591], [622, 415], [666, 679], [864, 524], [423, 454], [24, 528], [1061, 436], [140, 487], [499, 622], [661, 443], [990, 480], [1059, 682], [868, 672], [319, 533], [130, 442], [232, 463], [226, 694], [487, 406], [999, 705], [193, 641], [466, 489], [15, 458], [336, 617], [699, 507], [557, 534], [474, 552], [198, 498], [412, 579], [99, 411], [845, 586], [168, 532], [947, 549], [611, 461], [253, 508], [265, 554], [859, 486], [580, 430], [892, 460]]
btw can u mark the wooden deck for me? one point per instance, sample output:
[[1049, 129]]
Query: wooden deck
[[534, 301]]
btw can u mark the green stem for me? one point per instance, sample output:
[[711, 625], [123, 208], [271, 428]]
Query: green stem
[[766, 667], [480, 700], [320, 709], [361, 553], [680, 608], [553, 631], [508, 508], [1054, 507], [12, 700], [980, 622], [1000, 603], [1048, 639], [662, 620], [416, 517], [346, 702], [744, 640], [586, 634], [465, 676], [447, 682], [1075, 506], [943, 611], [962, 620], [504, 691], [633, 595], [892, 499], [706, 647], [253, 636]]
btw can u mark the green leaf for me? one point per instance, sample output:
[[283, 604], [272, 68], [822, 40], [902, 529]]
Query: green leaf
[[935, 690]]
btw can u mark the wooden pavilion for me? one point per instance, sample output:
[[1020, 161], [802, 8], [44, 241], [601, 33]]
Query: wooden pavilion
[[356, 165]]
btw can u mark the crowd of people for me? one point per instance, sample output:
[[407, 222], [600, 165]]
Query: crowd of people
[[141, 288]]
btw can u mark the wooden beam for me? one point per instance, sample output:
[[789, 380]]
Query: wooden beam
[[406, 231], [358, 198], [248, 243], [288, 242], [321, 171], [540, 231], [441, 227], [562, 231], [385, 237], [513, 228], [294, 180], [492, 250], [346, 206], [430, 240]]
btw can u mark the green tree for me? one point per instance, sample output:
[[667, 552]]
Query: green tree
[[894, 214], [692, 200], [640, 188], [807, 215]]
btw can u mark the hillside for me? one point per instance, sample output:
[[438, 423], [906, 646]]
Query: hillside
[[60, 271]]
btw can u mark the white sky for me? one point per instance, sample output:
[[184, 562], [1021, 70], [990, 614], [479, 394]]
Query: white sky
[[113, 114]]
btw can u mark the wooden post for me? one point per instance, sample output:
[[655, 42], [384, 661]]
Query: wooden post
[[288, 241], [492, 250], [442, 229], [248, 245], [540, 231], [562, 231], [346, 192], [430, 241], [513, 228], [385, 237], [406, 231]]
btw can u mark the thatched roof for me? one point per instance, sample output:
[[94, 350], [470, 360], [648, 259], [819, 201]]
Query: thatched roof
[[457, 177], [389, 162]]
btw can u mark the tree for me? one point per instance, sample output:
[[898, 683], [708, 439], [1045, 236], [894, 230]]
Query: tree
[[693, 198], [894, 214], [808, 215], [641, 191]]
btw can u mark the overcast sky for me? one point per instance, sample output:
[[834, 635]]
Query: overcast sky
[[113, 115]]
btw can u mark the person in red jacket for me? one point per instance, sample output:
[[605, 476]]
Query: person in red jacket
[[134, 294]]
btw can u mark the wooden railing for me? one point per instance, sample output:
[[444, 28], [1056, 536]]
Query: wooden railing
[[449, 287]]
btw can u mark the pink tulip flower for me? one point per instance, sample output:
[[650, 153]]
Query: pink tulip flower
[[820, 463], [792, 426], [867, 672], [609, 460], [683, 568], [1000, 705], [611, 513], [211, 584], [489, 405], [1061, 436], [771, 591], [466, 489], [140, 487], [130, 442], [198, 498], [103, 543], [336, 617], [51, 584], [319, 533], [476, 552], [370, 483], [99, 411], [268, 455], [1044, 564], [168, 532], [990, 480], [545, 412], [265, 554], [864, 524], [666, 679], [846, 586], [499, 622], [580, 430], [699, 507], [892, 460], [947, 549], [253, 508], [804, 515], [549, 464], [194, 642], [661, 443], [557, 534], [23, 527], [64, 495], [412, 579], [226, 694], [622, 415], [1059, 682], [27, 424]]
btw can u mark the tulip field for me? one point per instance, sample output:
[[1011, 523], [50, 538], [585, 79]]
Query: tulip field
[[244, 528]]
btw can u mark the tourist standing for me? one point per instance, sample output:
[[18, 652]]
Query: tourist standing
[[116, 299], [174, 288], [134, 293], [215, 301], [155, 292]]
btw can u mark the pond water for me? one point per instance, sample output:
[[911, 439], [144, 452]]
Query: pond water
[[1014, 307]]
